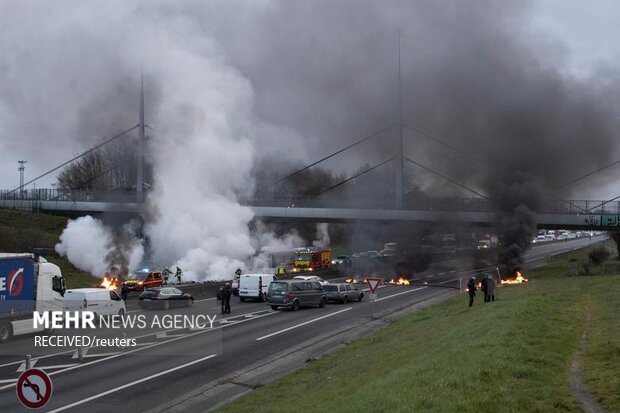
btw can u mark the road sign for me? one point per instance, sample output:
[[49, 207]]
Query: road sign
[[373, 283], [34, 388]]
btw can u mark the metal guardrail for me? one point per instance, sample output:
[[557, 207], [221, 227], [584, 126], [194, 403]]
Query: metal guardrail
[[358, 202]]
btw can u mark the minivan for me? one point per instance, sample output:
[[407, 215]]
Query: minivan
[[295, 293], [100, 301], [254, 286]]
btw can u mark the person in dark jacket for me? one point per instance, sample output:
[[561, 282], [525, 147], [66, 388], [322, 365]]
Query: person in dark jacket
[[226, 294], [124, 291], [471, 289], [483, 287]]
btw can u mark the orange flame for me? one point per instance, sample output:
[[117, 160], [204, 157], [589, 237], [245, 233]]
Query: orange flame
[[400, 281], [350, 280], [517, 280], [110, 283]]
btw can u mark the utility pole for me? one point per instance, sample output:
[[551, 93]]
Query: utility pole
[[399, 156], [21, 169], [140, 172]]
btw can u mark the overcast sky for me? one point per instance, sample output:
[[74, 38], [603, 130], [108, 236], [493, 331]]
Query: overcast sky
[[586, 30]]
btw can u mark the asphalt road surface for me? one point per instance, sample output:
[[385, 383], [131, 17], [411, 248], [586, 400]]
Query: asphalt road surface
[[167, 365]]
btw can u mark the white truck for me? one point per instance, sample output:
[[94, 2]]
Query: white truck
[[255, 286], [28, 283]]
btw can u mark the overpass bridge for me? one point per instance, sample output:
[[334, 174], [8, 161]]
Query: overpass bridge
[[574, 214]]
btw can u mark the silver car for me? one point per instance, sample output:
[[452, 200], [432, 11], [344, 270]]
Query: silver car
[[343, 292]]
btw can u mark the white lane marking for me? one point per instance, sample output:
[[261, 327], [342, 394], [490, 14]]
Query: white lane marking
[[153, 345], [59, 366], [404, 292], [8, 381], [303, 324], [124, 386]]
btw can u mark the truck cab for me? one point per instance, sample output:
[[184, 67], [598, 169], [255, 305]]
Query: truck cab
[[28, 283]]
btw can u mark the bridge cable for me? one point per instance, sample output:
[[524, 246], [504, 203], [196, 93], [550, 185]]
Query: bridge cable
[[354, 176], [602, 203], [446, 178], [587, 175], [484, 164], [75, 158], [447, 145], [373, 135]]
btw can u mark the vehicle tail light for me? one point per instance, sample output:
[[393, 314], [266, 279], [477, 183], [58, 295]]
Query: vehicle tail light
[[288, 296], [85, 303]]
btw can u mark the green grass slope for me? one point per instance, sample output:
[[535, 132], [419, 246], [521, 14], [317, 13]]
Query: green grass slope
[[513, 355], [22, 231]]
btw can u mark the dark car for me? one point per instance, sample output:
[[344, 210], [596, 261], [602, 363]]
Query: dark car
[[342, 292], [295, 293], [165, 297]]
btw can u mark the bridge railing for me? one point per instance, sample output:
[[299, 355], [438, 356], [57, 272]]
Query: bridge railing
[[357, 202]]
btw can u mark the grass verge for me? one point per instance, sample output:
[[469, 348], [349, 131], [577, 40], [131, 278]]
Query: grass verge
[[512, 355], [21, 231]]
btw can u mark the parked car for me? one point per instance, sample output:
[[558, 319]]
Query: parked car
[[100, 301], [343, 292], [164, 297], [311, 278], [294, 294], [340, 260], [254, 286]]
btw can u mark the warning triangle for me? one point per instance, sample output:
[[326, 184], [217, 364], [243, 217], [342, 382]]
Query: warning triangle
[[373, 283]]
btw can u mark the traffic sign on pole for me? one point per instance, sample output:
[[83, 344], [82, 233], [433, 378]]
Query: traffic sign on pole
[[34, 388], [374, 283]]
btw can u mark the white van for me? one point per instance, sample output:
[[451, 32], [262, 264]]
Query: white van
[[100, 301], [255, 286]]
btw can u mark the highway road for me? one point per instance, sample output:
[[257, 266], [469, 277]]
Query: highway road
[[169, 372]]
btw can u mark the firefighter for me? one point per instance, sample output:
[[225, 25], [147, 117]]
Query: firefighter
[[238, 272], [471, 289], [179, 274], [226, 294], [281, 270], [166, 273]]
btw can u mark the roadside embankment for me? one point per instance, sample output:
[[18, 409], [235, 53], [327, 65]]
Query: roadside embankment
[[514, 354]]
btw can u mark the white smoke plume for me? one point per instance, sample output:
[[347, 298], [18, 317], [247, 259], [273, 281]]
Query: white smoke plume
[[270, 247], [91, 246], [322, 235]]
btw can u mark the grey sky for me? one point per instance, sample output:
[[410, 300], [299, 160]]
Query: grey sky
[[584, 33]]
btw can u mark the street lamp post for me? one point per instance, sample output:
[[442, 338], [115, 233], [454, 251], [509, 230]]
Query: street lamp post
[[21, 169]]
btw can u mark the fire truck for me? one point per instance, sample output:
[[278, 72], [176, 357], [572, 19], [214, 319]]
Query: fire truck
[[312, 258]]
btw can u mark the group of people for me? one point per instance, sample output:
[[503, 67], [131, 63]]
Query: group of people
[[487, 285], [224, 294]]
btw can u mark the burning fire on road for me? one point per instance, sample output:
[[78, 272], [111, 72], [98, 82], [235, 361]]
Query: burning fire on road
[[110, 283], [400, 281], [517, 279]]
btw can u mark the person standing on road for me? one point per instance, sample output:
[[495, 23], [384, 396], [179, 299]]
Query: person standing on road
[[227, 293], [471, 289], [490, 289], [124, 291], [179, 274]]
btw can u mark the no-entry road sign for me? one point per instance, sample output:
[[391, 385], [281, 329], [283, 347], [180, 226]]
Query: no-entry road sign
[[34, 388], [374, 283]]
